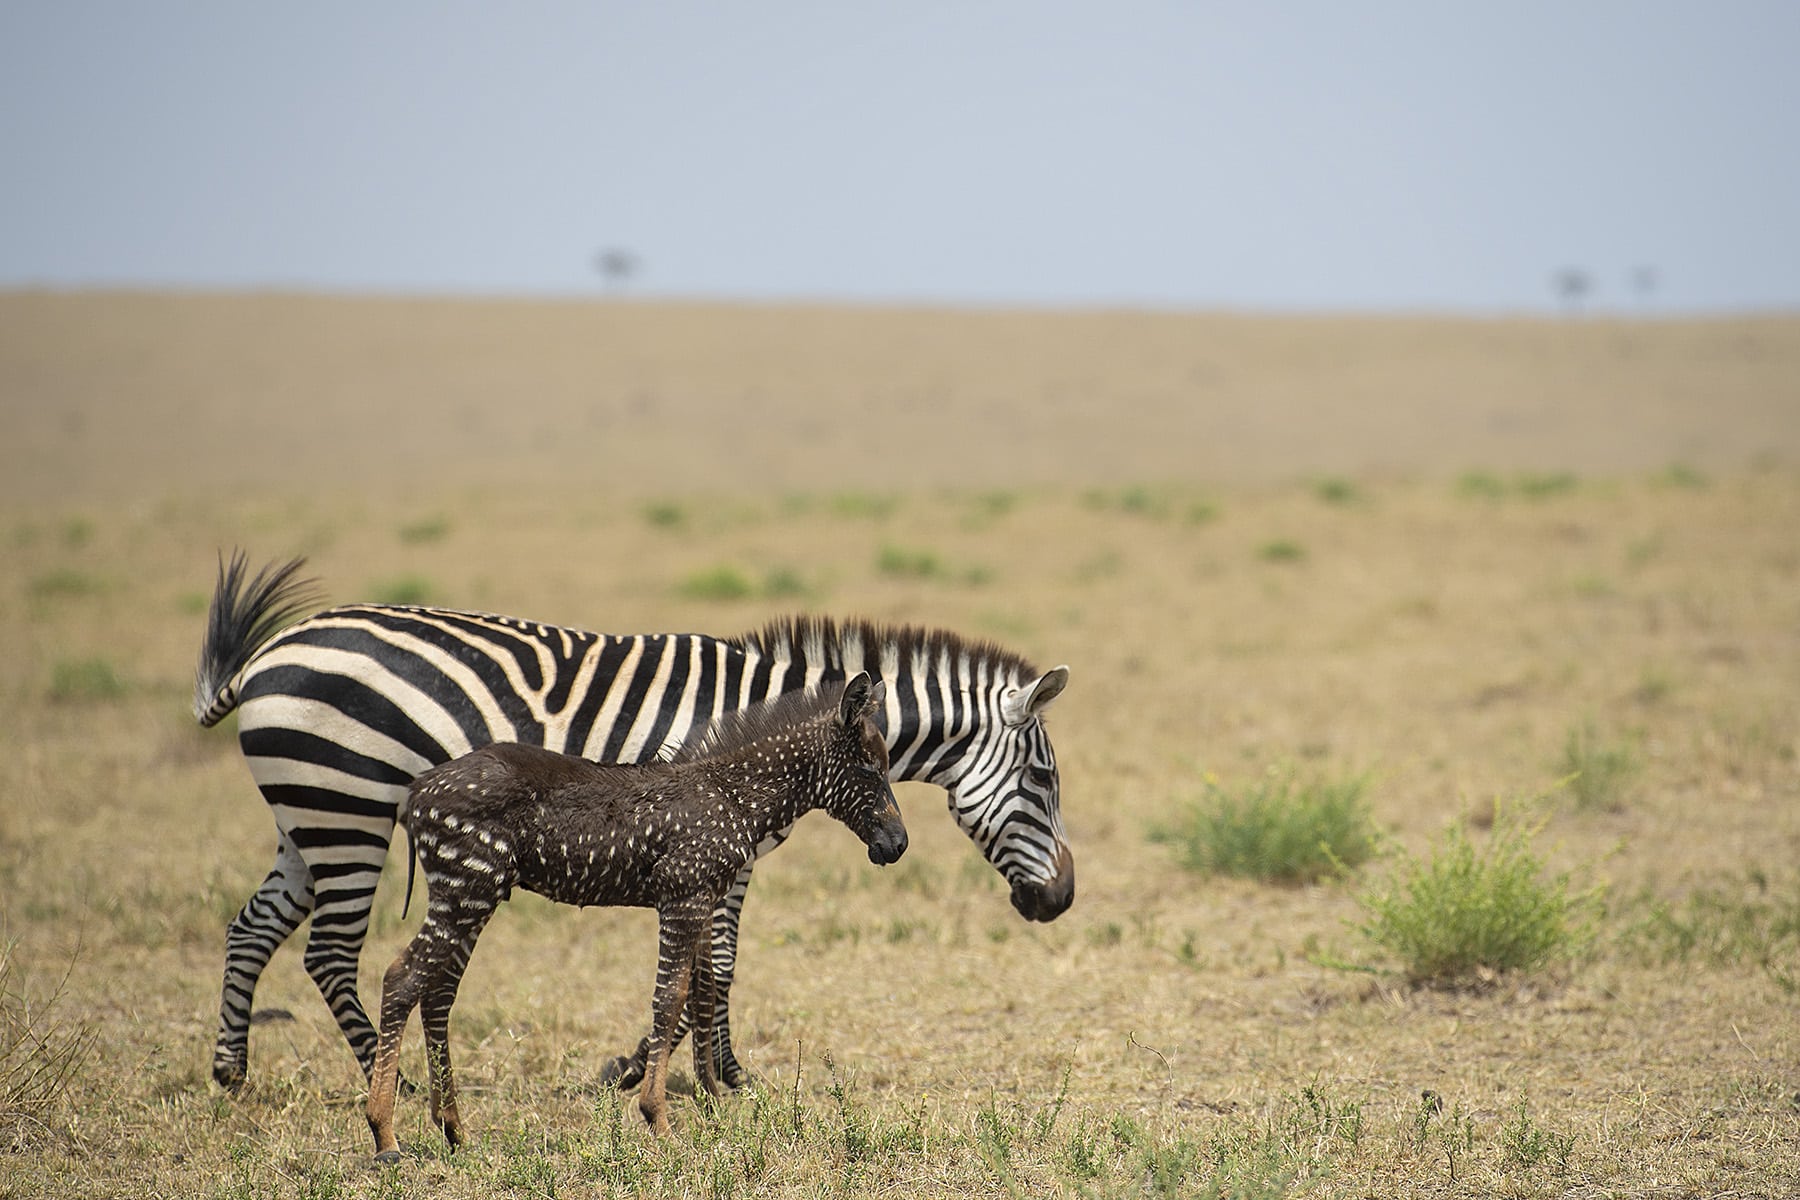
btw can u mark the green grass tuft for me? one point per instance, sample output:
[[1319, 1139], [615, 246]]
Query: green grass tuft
[[664, 514], [1734, 923], [1599, 771], [1278, 829], [1337, 491], [722, 583], [426, 529], [1470, 912], [1281, 550], [403, 589], [901, 562], [79, 680], [65, 583]]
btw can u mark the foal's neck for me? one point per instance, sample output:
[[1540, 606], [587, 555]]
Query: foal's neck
[[775, 781]]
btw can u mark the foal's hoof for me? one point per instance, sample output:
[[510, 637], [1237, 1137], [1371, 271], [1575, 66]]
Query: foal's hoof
[[229, 1077], [623, 1072], [387, 1158]]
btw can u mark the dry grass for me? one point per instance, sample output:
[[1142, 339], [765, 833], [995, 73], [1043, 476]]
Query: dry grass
[[914, 1037]]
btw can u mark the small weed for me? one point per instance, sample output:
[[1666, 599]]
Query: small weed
[[1598, 770], [1471, 913], [84, 680], [427, 529], [77, 532], [1337, 491], [1526, 1145], [40, 1054], [716, 583], [664, 514], [403, 589], [1281, 550], [1277, 829]]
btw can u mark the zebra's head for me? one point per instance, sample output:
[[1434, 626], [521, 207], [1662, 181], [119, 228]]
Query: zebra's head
[[1006, 796]]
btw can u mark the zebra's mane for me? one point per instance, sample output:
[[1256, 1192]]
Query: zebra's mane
[[741, 727], [878, 649]]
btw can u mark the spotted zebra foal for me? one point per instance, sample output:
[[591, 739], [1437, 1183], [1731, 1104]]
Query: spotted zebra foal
[[665, 835]]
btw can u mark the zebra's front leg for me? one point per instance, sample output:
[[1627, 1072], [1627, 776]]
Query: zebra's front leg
[[267, 919], [627, 1070], [724, 966]]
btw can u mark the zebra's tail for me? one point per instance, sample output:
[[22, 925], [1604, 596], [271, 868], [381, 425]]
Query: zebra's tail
[[246, 611]]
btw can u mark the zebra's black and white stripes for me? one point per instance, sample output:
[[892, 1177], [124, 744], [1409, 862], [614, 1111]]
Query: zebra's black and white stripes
[[338, 712]]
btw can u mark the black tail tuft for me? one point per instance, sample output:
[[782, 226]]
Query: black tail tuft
[[246, 611]]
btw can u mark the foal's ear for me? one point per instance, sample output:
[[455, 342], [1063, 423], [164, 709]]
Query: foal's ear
[[859, 694]]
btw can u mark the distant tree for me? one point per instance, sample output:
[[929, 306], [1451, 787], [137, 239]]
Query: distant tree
[[1572, 285], [1644, 281], [616, 266]]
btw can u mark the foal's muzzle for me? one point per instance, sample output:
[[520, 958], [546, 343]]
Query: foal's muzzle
[[888, 840], [887, 846]]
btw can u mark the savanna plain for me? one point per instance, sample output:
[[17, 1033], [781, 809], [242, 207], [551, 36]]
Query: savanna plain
[[1389, 638]]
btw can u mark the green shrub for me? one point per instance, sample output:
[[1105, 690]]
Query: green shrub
[[716, 583], [1472, 912], [1278, 829], [665, 514], [1337, 491]]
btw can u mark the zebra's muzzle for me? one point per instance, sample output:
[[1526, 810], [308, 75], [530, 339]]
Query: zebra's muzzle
[[1048, 900]]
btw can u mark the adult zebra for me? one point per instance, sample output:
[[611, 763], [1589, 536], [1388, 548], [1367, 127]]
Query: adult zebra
[[338, 712]]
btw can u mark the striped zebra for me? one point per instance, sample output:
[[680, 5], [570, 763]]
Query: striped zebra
[[338, 712]]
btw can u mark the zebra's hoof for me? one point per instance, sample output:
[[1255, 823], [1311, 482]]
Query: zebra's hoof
[[622, 1073], [387, 1158], [229, 1076]]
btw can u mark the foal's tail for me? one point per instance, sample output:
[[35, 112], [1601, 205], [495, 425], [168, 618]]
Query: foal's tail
[[246, 611], [412, 865]]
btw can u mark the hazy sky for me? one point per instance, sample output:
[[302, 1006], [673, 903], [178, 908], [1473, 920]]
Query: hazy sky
[[1375, 155]]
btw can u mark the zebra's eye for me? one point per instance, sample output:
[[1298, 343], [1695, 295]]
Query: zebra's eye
[[1042, 778]]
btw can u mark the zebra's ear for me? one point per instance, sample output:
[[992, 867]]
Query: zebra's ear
[[856, 700], [1021, 704]]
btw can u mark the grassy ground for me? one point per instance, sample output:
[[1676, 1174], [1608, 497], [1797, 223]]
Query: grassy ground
[[1453, 628]]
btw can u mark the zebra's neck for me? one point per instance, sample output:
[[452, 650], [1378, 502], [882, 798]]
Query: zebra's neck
[[943, 689]]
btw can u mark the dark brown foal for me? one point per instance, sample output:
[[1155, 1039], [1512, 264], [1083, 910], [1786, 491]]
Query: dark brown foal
[[665, 835]]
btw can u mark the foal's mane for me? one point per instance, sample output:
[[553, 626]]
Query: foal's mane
[[741, 727]]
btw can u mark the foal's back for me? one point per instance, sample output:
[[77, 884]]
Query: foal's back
[[574, 831]]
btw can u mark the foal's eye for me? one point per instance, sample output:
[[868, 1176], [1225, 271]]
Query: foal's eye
[[870, 770]]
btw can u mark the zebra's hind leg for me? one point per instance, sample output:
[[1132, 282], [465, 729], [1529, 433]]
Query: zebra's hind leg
[[340, 923], [279, 904]]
